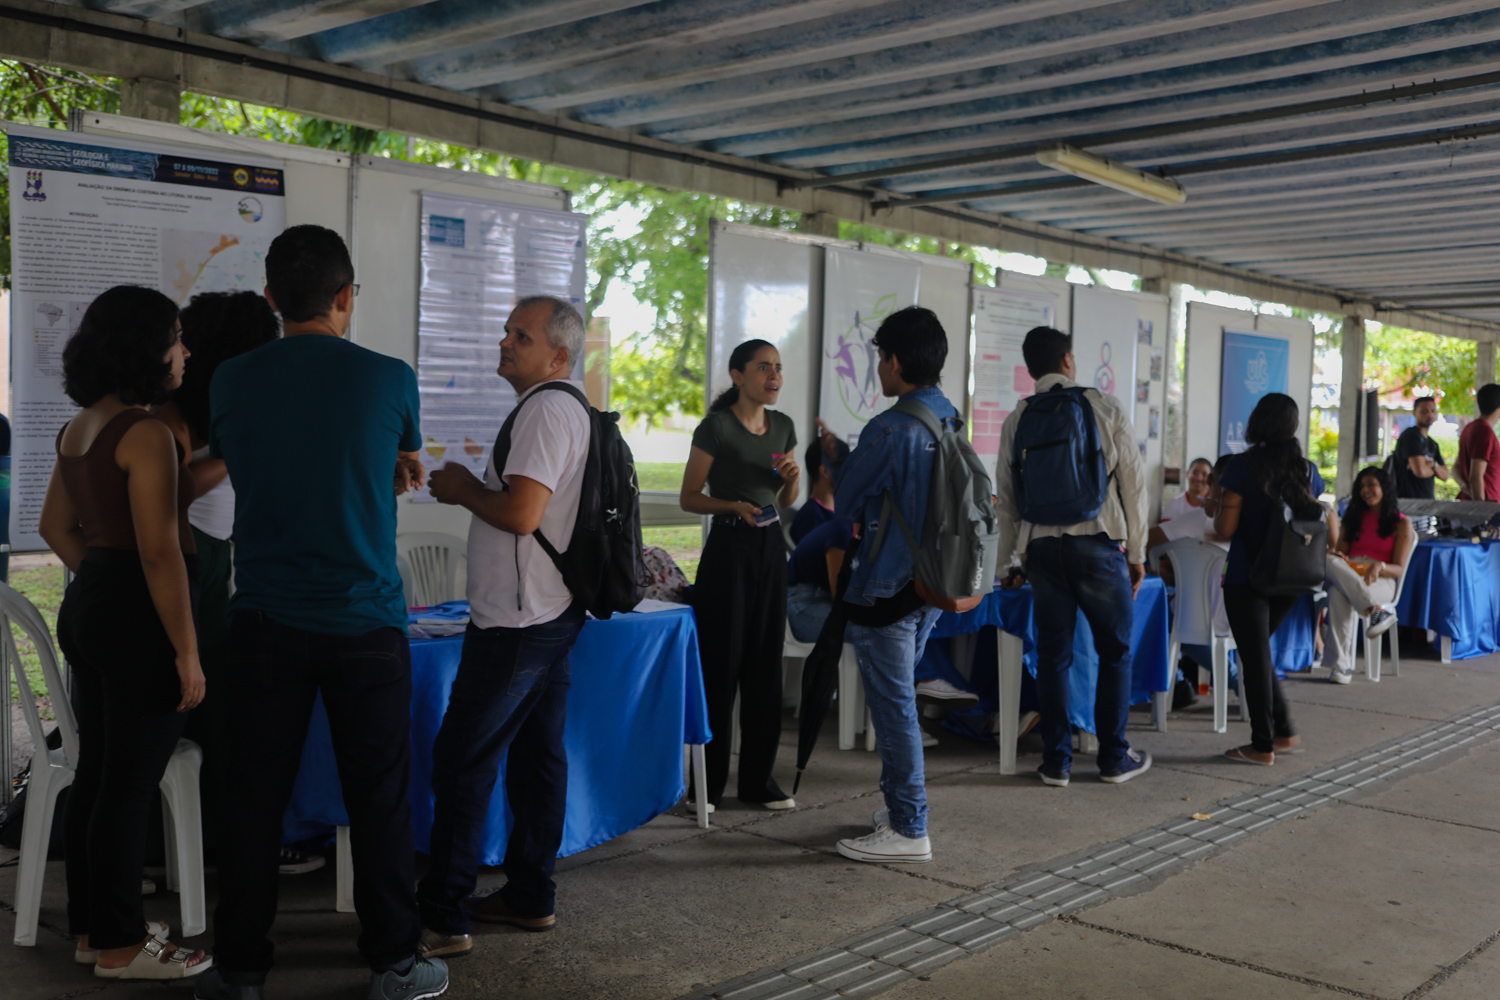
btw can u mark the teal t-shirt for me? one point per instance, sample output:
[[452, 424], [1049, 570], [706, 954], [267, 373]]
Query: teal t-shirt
[[309, 427]]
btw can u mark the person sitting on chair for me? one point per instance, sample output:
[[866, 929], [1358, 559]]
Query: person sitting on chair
[[1365, 567]]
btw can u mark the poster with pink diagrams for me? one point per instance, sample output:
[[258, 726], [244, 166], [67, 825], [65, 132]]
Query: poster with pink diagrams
[[1001, 320]]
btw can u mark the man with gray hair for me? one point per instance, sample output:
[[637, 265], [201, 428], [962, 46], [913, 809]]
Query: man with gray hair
[[511, 691]]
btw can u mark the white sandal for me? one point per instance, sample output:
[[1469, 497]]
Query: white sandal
[[158, 929], [147, 964]]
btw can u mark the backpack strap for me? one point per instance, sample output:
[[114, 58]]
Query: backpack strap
[[501, 451], [889, 507]]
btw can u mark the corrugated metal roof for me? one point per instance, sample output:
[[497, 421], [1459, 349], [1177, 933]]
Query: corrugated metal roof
[[1348, 143]]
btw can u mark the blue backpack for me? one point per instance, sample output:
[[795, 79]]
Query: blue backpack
[[1057, 467]]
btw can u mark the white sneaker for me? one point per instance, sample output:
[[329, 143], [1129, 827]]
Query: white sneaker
[[1338, 676], [780, 804], [928, 740], [943, 691], [692, 806], [887, 846], [880, 819], [1380, 623]]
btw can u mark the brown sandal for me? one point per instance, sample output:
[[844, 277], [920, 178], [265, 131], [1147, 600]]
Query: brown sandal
[[1239, 756], [149, 964]]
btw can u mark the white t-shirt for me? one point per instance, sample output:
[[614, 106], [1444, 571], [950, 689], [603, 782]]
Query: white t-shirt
[[512, 581], [213, 512], [1178, 506]]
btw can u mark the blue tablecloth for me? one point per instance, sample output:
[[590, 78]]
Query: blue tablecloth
[[1453, 588], [637, 697], [1011, 610]]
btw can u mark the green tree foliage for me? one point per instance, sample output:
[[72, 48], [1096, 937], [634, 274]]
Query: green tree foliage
[[42, 96], [1422, 364]]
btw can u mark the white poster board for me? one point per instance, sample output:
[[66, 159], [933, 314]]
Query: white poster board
[[89, 214], [860, 289], [1106, 328], [1002, 319], [478, 258]]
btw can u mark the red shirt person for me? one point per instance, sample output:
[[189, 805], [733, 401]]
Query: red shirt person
[[1479, 451]]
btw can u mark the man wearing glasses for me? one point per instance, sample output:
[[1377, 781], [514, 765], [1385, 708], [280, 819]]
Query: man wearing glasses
[[318, 608]]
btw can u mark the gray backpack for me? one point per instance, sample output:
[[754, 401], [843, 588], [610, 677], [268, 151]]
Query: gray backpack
[[955, 561]]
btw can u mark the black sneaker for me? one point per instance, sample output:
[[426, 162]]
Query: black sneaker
[[216, 984], [298, 862], [1134, 764], [1184, 695], [427, 977], [1380, 621]]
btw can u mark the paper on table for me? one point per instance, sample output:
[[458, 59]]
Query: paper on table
[[647, 606]]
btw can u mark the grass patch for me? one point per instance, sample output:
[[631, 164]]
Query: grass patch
[[684, 542], [660, 475], [43, 587]]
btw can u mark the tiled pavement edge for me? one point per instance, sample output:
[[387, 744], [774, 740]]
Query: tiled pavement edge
[[881, 958]]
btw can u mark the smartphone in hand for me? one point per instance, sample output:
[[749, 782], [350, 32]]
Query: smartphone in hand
[[766, 515]]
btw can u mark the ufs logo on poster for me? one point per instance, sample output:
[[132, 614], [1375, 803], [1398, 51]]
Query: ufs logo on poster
[[34, 190]]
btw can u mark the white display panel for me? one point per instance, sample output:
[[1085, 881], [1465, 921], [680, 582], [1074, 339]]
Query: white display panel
[[90, 213], [860, 289], [1105, 327], [1002, 319], [1205, 344], [1061, 291]]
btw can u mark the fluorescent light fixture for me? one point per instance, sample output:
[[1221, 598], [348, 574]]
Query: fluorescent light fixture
[[1071, 160]]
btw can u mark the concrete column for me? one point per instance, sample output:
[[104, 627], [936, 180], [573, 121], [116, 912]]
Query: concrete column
[[1484, 364], [819, 224], [1351, 398], [150, 98], [596, 362]]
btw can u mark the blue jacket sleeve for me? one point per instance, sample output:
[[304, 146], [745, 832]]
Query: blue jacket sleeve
[[865, 473]]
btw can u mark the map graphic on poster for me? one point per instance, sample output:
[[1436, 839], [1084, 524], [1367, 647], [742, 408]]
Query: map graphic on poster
[[478, 258], [1253, 367], [860, 289], [193, 262], [93, 213]]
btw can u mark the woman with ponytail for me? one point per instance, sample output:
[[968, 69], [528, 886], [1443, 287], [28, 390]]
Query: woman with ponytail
[[744, 452], [1272, 470]]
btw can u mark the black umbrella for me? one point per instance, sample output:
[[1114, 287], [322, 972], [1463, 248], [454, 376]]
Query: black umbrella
[[820, 671]]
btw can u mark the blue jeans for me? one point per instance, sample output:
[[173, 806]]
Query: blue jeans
[[511, 692], [887, 660], [1071, 574], [807, 608]]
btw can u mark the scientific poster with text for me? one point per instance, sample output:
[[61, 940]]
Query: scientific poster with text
[[860, 289], [1002, 319], [88, 214], [478, 259]]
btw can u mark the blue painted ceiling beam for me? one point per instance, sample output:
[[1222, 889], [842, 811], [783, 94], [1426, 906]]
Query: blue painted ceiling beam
[[896, 81], [1221, 87], [148, 9], [269, 21]]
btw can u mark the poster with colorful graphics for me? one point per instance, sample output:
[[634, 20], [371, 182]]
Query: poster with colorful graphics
[[88, 214], [860, 289], [1253, 367], [1002, 318]]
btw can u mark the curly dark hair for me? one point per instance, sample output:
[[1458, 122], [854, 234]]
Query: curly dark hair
[[119, 348], [217, 326], [1354, 514], [1275, 455]]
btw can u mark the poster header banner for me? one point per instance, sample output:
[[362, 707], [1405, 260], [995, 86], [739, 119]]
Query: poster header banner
[[31, 152], [1253, 368]]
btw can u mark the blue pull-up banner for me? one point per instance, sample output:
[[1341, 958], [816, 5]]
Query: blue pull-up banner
[[1252, 368]]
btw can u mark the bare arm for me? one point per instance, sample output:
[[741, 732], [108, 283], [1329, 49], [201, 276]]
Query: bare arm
[[1421, 466], [835, 560], [59, 525], [1227, 520], [148, 455], [1406, 541], [791, 475], [692, 498], [517, 510], [207, 473], [410, 474], [1477, 466]]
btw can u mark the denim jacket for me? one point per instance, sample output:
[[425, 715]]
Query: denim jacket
[[895, 452]]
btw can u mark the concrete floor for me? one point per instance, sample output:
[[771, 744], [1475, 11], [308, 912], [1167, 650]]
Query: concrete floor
[[1388, 893]]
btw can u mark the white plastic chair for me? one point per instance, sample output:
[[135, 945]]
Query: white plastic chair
[[52, 771], [854, 716], [1375, 646], [429, 563], [1197, 567]]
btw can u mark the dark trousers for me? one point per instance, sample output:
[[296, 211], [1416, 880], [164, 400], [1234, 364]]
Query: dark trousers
[[511, 693], [740, 605], [208, 724], [276, 672], [1070, 574], [1253, 619], [125, 692]]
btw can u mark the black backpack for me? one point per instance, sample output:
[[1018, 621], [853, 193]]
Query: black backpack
[[1293, 554], [603, 566]]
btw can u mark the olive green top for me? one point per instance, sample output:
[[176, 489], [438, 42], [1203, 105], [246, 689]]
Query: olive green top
[[742, 461]]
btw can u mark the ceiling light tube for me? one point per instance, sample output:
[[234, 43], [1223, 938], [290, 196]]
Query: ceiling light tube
[[1071, 160]]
